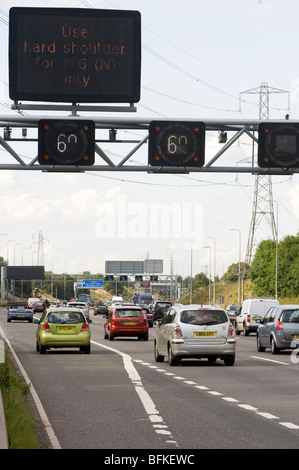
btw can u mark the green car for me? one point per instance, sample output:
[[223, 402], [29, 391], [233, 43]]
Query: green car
[[62, 328]]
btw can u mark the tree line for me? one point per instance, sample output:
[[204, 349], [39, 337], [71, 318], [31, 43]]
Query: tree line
[[262, 274]]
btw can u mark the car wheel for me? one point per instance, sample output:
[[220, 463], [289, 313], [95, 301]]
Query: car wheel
[[37, 346], [274, 348], [229, 360], [212, 359], [8, 320], [158, 358], [42, 349], [85, 349], [110, 337], [246, 332], [260, 348], [172, 360], [105, 334]]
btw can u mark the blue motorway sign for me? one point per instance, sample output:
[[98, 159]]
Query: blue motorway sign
[[92, 283]]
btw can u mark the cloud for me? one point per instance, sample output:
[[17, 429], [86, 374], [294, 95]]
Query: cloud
[[294, 198]]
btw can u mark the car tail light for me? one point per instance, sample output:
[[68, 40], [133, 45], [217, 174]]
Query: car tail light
[[231, 330], [84, 327], [279, 325], [177, 330], [46, 327], [248, 318]]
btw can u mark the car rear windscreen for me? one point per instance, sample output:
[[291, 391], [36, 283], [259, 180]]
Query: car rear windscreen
[[203, 317], [290, 316], [120, 313], [65, 317]]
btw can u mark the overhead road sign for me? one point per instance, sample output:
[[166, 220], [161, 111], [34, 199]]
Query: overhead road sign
[[278, 145], [25, 273], [176, 143], [66, 142], [74, 55], [90, 284], [216, 163]]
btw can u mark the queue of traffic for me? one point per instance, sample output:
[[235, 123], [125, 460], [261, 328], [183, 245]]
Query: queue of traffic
[[183, 331]]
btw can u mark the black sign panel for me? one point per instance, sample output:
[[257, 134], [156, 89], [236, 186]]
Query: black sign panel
[[25, 273], [174, 143], [278, 145], [66, 142], [74, 55]]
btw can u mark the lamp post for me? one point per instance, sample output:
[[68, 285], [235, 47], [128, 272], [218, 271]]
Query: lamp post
[[9, 241], [276, 254], [214, 289], [190, 301], [209, 248], [239, 286]]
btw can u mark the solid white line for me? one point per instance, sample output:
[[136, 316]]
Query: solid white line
[[271, 360], [146, 400], [50, 431]]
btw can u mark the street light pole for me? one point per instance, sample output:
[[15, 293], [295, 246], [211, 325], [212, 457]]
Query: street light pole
[[276, 254], [209, 248], [214, 289], [191, 241], [239, 287]]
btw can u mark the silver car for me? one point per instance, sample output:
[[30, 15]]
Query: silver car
[[201, 331], [82, 306], [279, 329]]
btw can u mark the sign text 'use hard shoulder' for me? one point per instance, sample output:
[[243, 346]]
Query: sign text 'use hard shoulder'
[[74, 55]]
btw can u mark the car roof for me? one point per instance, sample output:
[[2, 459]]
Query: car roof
[[283, 307], [136, 307], [199, 307]]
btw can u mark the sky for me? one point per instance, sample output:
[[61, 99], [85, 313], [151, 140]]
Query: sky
[[198, 58]]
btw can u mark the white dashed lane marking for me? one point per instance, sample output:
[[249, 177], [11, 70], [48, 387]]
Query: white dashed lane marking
[[215, 393]]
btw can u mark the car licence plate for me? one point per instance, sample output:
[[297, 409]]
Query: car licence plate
[[129, 323], [296, 336], [204, 333], [65, 328], [20, 315]]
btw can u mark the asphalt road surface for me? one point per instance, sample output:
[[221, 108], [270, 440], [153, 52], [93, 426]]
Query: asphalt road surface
[[119, 398]]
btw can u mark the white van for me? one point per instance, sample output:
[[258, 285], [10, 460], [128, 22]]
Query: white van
[[251, 310]]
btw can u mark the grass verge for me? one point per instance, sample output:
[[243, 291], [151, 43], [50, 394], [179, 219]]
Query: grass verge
[[19, 421]]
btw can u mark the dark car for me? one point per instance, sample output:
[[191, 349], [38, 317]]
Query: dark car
[[100, 310], [148, 313], [160, 308], [38, 307]]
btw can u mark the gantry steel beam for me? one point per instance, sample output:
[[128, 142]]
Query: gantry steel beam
[[235, 128]]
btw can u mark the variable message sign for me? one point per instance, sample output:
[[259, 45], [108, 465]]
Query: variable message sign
[[74, 55]]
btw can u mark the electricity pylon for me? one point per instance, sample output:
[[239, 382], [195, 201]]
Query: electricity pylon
[[263, 197]]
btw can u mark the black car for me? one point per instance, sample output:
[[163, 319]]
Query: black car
[[160, 308], [100, 310]]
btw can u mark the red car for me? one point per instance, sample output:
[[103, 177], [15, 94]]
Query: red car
[[126, 321]]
